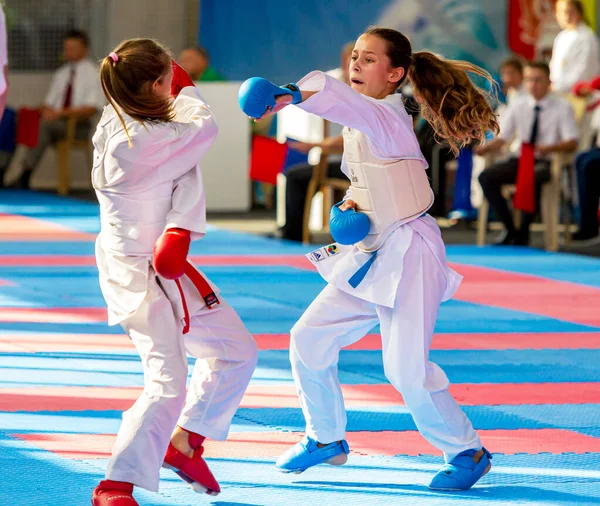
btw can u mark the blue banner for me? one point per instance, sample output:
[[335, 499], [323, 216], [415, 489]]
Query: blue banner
[[284, 41]]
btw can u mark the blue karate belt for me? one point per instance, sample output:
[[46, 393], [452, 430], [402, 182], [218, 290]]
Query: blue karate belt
[[360, 274]]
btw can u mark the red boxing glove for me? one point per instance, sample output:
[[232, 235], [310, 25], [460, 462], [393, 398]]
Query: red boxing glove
[[170, 253], [595, 83], [181, 80]]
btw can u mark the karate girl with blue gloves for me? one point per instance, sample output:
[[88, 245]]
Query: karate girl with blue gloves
[[389, 263]]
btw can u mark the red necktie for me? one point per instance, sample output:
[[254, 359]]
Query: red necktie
[[69, 92], [524, 198]]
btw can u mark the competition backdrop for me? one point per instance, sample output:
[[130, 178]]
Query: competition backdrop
[[284, 41]]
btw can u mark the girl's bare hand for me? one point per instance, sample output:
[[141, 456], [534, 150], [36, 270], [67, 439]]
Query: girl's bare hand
[[348, 204]]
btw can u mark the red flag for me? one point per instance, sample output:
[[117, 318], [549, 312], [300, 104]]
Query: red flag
[[524, 198], [267, 159], [28, 126]]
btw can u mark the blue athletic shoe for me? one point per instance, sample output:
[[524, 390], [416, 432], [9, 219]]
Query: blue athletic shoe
[[307, 454], [462, 472]]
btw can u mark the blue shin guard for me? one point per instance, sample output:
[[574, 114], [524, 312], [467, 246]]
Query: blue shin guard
[[307, 454], [462, 472]]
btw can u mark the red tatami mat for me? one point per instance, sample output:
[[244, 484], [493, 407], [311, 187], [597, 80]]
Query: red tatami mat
[[530, 294], [37, 342], [46, 341], [285, 396], [501, 341], [23, 228], [386, 443], [297, 261], [53, 315]]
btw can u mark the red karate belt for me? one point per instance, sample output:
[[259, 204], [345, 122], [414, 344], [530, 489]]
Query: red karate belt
[[204, 289]]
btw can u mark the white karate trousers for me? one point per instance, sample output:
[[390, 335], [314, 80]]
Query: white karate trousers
[[226, 356], [337, 319]]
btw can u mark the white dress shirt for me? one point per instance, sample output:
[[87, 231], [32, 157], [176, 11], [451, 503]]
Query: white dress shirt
[[87, 91], [556, 121], [575, 57]]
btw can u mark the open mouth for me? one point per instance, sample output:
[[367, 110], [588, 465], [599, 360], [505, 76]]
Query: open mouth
[[356, 81]]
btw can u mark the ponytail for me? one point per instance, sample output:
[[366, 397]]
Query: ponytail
[[127, 75], [457, 110]]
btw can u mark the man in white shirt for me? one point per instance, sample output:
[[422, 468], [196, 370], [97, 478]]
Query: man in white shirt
[[75, 92], [3, 62], [540, 118]]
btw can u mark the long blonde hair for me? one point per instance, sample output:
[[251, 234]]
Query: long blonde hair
[[458, 111], [127, 82]]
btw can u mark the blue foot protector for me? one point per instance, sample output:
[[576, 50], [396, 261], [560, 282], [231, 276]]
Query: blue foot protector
[[462, 472], [307, 454]]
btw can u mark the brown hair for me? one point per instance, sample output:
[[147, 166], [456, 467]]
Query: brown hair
[[514, 62], [539, 65], [457, 110], [127, 82], [79, 35]]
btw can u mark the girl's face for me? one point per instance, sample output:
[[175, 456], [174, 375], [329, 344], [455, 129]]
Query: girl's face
[[162, 86], [370, 70], [567, 15]]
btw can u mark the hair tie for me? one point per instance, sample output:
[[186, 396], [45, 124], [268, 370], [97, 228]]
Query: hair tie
[[114, 56]]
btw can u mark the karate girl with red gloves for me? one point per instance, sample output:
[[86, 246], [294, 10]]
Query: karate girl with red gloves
[[147, 147]]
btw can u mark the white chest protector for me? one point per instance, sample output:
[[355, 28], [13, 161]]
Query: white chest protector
[[390, 193]]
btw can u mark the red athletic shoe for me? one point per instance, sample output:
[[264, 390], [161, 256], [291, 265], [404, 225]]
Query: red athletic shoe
[[194, 471], [113, 493]]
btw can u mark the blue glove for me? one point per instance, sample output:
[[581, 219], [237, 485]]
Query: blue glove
[[256, 94], [348, 227]]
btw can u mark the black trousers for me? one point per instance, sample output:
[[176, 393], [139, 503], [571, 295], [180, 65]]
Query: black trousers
[[588, 186], [298, 178], [505, 172]]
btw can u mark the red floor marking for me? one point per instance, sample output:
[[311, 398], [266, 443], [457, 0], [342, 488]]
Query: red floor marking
[[284, 396], [296, 261], [385, 443], [32, 342], [23, 228], [506, 341], [481, 285], [53, 315], [561, 300], [47, 260], [5, 282]]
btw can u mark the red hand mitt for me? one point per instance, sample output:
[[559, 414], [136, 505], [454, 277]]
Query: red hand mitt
[[170, 253]]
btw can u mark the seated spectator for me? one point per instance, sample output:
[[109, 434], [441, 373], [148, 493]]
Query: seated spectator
[[542, 119], [588, 171], [196, 62], [74, 92], [511, 77]]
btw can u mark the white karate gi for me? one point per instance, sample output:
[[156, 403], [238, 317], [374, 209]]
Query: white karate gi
[[402, 291], [143, 190]]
